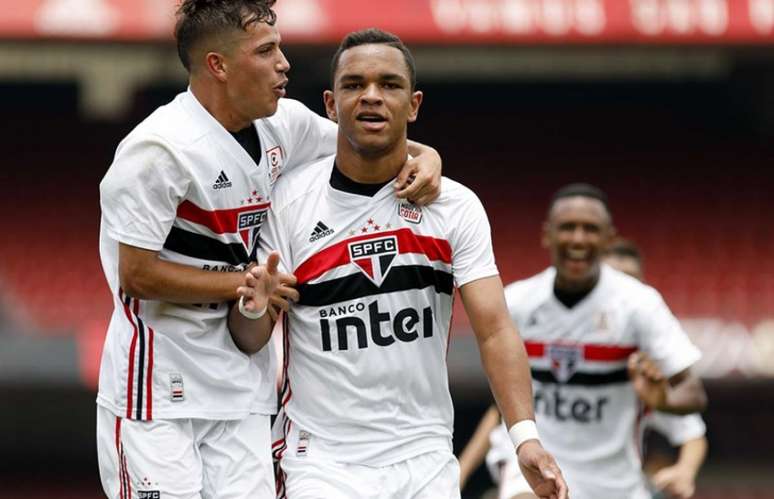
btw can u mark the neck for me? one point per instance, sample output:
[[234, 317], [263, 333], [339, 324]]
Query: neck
[[214, 99], [568, 286], [376, 168]]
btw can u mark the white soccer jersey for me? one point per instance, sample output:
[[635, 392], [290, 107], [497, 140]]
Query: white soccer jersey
[[180, 184], [587, 412], [366, 345]]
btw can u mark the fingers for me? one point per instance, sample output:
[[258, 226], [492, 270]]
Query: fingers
[[272, 263], [287, 279], [406, 175], [283, 296]]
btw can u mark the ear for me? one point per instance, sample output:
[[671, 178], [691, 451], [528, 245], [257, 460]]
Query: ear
[[609, 237], [330, 105], [416, 101], [216, 66]]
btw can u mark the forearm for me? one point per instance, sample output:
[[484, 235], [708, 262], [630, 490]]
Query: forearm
[[417, 149], [475, 451], [685, 395], [692, 455], [249, 335], [506, 365], [175, 283]]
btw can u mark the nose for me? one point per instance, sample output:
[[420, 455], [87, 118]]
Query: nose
[[578, 235], [283, 66], [371, 94]]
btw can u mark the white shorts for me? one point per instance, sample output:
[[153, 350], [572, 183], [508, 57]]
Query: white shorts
[[432, 475], [185, 458]]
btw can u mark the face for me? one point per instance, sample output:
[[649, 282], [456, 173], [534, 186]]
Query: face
[[626, 264], [577, 232], [255, 71], [372, 99]]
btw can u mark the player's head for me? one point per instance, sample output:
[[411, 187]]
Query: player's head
[[373, 96], [577, 232], [625, 256], [234, 45]]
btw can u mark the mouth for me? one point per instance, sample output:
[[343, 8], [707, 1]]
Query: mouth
[[372, 121], [577, 259], [279, 89]]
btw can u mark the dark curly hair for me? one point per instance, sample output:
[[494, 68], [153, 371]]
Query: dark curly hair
[[374, 36], [198, 19]]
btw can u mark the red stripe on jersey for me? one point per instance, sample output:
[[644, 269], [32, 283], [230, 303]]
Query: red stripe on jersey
[[120, 461], [218, 221], [130, 375], [334, 256], [602, 353], [149, 378]]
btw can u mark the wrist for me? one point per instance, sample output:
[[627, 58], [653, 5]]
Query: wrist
[[522, 432], [249, 314]]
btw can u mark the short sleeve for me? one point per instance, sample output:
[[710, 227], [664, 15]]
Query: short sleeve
[[662, 337], [678, 429], [140, 194], [471, 240], [310, 136]]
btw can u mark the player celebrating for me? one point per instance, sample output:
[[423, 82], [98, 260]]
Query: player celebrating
[[181, 411], [368, 411], [582, 323]]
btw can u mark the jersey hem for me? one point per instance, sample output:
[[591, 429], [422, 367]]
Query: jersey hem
[[190, 414], [482, 274], [134, 240]]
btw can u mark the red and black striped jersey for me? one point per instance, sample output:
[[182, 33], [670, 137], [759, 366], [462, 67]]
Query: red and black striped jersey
[[180, 184], [587, 412], [365, 372]]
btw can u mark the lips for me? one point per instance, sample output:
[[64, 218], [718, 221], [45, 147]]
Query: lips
[[279, 89], [372, 122]]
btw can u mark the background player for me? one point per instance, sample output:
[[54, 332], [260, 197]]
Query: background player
[[181, 411], [686, 432], [581, 321], [366, 394]]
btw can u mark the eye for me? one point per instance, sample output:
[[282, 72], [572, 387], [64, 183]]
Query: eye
[[350, 86], [391, 86]]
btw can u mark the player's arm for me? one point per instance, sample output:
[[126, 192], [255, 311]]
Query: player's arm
[[679, 480], [682, 393], [145, 276], [475, 451], [506, 365], [313, 137]]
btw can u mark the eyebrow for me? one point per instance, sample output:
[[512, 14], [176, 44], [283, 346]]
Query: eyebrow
[[382, 77]]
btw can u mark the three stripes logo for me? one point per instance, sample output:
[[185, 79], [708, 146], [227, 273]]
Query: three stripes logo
[[222, 182], [320, 230]]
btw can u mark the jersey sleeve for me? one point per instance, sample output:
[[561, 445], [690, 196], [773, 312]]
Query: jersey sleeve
[[662, 337], [309, 136], [471, 240], [140, 194], [678, 429]]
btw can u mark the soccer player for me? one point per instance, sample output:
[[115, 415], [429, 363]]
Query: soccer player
[[182, 413], [366, 397], [585, 326], [686, 432]]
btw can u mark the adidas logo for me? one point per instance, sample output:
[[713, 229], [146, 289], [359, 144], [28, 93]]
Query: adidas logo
[[222, 182], [320, 230]]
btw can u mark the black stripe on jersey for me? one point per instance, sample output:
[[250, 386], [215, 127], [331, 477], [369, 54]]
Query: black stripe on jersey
[[204, 247], [399, 278], [584, 379], [140, 367]]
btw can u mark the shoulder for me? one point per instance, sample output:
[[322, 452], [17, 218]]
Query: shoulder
[[288, 110], [171, 126], [525, 293], [298, 183], [636, 293], [454, 193]]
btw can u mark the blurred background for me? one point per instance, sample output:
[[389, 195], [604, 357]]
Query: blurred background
[[668, 105]]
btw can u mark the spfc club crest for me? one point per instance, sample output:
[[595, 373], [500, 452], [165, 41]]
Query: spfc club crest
[[249, 225], [374, 256], [564, 360]]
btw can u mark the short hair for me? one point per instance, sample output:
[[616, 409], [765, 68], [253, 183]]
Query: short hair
[[374, 36], [624, 248], [198, 19], [583, 190]]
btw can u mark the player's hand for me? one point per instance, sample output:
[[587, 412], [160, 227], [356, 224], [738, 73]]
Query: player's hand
[[649, 383], [261, 281], [541, 471], [419, 180], [284, 294], [676, 481]]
